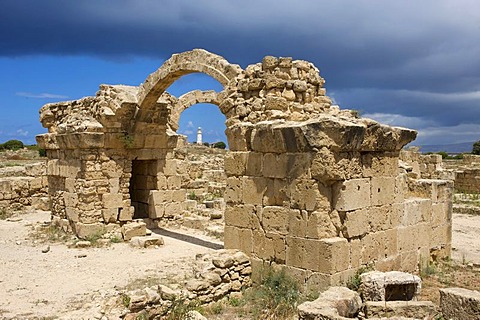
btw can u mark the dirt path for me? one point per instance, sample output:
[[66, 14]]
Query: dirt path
[[55, 283], [466, 238]]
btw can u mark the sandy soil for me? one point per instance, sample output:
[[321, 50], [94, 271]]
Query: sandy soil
[[71, 283], [57, 283]]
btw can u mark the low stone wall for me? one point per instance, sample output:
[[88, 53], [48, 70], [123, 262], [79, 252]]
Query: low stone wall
[[214, 277], [23, 186]]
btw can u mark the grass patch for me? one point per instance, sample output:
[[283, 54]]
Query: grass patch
[[354, 282], [446, 273], [179, 309], [5, 214], [275, 297], [50, 233]]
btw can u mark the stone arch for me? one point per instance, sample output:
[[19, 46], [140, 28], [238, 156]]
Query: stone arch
[[197, 60], [189, 99]]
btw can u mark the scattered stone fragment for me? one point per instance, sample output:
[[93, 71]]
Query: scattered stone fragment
[[147, 241], [46, 249], [83, 244], [335, 303], [459, 303]]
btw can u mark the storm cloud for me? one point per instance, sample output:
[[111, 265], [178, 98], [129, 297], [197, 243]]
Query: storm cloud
[[414, 60]]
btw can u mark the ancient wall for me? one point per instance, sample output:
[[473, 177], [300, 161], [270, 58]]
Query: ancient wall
[[24, 186], [467, 174], [309, 186]]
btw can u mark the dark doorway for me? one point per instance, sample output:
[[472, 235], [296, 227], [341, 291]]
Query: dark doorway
[[144, 179]]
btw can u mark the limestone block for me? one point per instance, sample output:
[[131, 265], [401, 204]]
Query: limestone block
[[243, 216], [416, 210], [126, 213], [383, 190], [146, 241], [254, 164], [275, 219], [156, 197], [373, 247], [356, 223], [384, 217], [407, 309], [329, 167], [306, 195], [71, 199], [133, 229], [233, 190], [83, 230], [172, 209], [380, 164], [235, 163], [155, 141], [53, 167], [327, 256], [239, 136], [390, 263], [266, 139], [41, 203], [72, 214], [409, 260], [276, 193], [253, 189], [352, 194], [238, 238], [179, 195], [297, 223], [459, 303], [390, 286], [440, 213], [110, 215], [112, 200], [170, 168], [174, 182], [335, 303], [275, 165]]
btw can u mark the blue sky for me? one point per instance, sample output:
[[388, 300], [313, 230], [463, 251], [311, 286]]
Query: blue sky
[[405, 63]]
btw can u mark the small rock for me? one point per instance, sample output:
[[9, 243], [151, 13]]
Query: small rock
[[14, 219], [147, 241], [80, 256], [83, 244], [46, 249], [194, 315]]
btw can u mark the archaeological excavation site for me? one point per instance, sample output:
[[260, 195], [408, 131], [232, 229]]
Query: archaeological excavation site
[[305, 186]]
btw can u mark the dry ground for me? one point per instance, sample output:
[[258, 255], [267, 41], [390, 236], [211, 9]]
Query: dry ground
[[72, 283], [63, 280]]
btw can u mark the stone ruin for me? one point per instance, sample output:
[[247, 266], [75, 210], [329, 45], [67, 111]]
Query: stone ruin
[[309, 186]]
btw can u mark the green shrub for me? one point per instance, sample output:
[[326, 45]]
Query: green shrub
[[276, 297], [219, 145], [12, 145]]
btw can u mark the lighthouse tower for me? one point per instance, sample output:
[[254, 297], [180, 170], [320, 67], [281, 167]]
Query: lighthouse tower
[[199, 135]]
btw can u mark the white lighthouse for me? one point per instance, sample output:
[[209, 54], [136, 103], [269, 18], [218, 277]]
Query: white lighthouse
[[199, 135]]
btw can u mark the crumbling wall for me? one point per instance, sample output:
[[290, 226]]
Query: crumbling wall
[[24, 186], [467, 174]]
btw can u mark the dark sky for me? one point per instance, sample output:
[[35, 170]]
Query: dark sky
[[407, 63]]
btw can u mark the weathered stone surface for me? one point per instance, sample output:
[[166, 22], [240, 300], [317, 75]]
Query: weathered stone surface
[[133, 229], [459, 303], [303, 175], [408, 309], [389, 286], [146, 241], [337, 303]]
